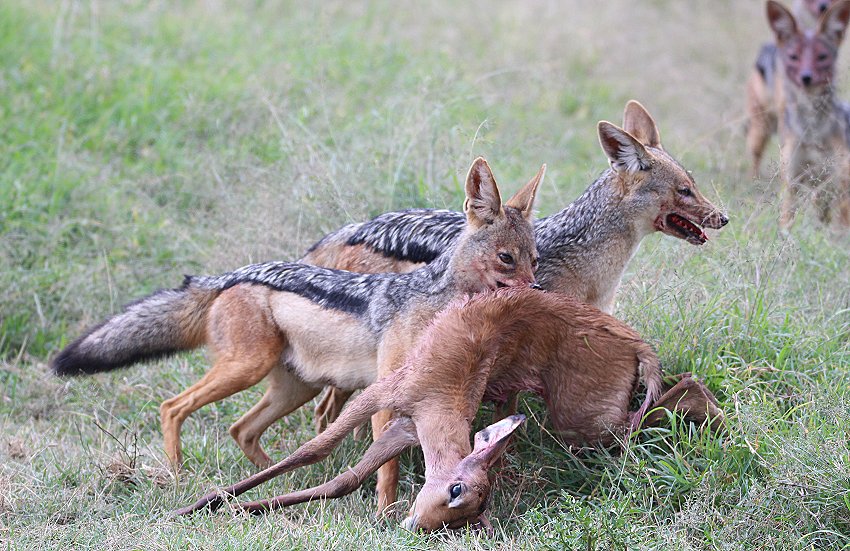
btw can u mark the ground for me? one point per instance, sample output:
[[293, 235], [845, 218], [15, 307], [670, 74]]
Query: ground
[[145, 140]]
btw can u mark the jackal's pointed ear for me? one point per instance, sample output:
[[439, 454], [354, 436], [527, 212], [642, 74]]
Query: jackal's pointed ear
[[639, 123], [834, 21], [523, 200], [483, 203], [491, 442], [781, 21], [624, 151]]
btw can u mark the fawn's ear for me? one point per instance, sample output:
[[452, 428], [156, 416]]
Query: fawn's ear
[[483, 203], [781, 21], [833, 23], [639, 123], [523, 200], [491, 442], [624, 151]]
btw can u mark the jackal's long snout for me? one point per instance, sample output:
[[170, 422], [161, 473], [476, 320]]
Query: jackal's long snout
[[715, 220], [519, 280], [687, 214], [700, 210], [502, 252]]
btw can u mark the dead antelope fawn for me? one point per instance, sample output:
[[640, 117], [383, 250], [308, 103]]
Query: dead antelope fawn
[[792, 89], [584, 363], [302, 327], [584, 249]]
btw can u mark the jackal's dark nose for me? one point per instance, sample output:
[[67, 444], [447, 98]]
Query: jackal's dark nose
[[536, 286], [822, 7], [806, 79], [723, 220]]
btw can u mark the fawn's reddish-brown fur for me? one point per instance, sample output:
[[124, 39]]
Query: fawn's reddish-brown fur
[[584, 363], [584, 249]]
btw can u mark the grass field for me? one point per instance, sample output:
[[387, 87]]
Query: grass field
[[145, 140]]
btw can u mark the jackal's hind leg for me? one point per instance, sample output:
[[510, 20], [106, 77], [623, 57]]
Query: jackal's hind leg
[[761, 121], [246, 345], [387, 486], [285, 394], [329, 407], [227, 377], [758, 133]]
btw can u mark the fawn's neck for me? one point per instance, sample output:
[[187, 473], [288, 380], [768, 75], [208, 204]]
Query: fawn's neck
[[445, 442]]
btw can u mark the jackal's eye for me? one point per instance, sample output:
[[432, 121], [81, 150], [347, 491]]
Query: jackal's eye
[[793, 57], [533, 263], [455, 490], [506, 258], [822, 57], [685, 192]]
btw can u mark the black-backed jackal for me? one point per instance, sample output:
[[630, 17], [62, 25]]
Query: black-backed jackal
[[302, 327], [792, 89]]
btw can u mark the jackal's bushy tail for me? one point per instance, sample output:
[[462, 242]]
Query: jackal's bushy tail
[[163, 323]]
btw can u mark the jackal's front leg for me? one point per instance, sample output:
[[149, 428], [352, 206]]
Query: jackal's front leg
[[792, 193], [387, 486], [791, 170], [844, 198]]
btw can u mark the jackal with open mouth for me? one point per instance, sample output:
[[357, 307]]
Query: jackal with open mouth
[[583, 249]]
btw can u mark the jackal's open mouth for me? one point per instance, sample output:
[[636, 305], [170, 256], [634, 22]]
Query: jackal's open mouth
[[681, 227]]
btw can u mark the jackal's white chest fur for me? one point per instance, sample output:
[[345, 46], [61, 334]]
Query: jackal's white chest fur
[[325, 346]]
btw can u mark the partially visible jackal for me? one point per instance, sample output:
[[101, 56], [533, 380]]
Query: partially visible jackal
[[303, 327], [809, 12], [791, 89], [584, 249], [761, 100]]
